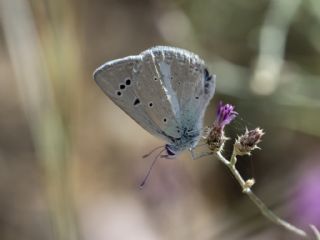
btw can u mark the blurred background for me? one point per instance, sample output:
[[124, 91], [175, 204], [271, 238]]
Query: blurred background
[[70, 160]]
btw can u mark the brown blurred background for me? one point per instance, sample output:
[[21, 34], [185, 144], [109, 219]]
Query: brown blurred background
[[70, 160]]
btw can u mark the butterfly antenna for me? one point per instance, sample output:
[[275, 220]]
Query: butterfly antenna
[[148, 154], [150, 168]]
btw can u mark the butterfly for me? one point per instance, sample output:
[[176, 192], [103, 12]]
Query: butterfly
[[166, 90]]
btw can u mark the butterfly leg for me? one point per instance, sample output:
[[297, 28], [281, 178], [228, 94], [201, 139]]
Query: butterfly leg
[[193, 155], [201, 155], [204, 154], [168, 157]]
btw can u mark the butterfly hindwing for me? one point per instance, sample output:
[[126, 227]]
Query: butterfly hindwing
[[160, 104], [191, 83]]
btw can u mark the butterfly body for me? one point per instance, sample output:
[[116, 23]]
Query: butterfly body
[[165, 90]]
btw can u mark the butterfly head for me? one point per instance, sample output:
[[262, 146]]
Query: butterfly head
[[169, 149]]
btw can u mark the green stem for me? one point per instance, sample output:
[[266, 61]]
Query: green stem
[[257, 201]]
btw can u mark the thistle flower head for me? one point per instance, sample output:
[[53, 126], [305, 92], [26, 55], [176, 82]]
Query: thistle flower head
[[216, 137], [248, 141], [225, 114]]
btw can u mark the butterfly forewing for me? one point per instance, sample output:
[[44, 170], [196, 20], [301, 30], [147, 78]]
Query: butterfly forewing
[[116, 79]]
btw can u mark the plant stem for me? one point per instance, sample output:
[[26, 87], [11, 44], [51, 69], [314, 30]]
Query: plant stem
[[316, 232], [257, 201]]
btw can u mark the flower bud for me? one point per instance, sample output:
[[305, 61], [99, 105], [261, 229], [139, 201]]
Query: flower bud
[[248, 142], [249, 183], [216, 139]]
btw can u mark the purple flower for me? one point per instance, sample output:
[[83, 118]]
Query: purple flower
[[306, 200], [215, 138], [225, 115]]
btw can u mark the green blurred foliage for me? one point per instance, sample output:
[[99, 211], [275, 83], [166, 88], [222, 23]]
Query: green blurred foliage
[[70, 160]]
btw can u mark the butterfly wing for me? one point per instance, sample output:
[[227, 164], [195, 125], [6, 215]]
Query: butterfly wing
[[190, 82], [155, 92], [115, 78]]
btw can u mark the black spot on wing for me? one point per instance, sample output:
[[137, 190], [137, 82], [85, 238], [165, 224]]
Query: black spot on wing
[[207, 76], [136, 102], [128, 82], [208, 81]]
